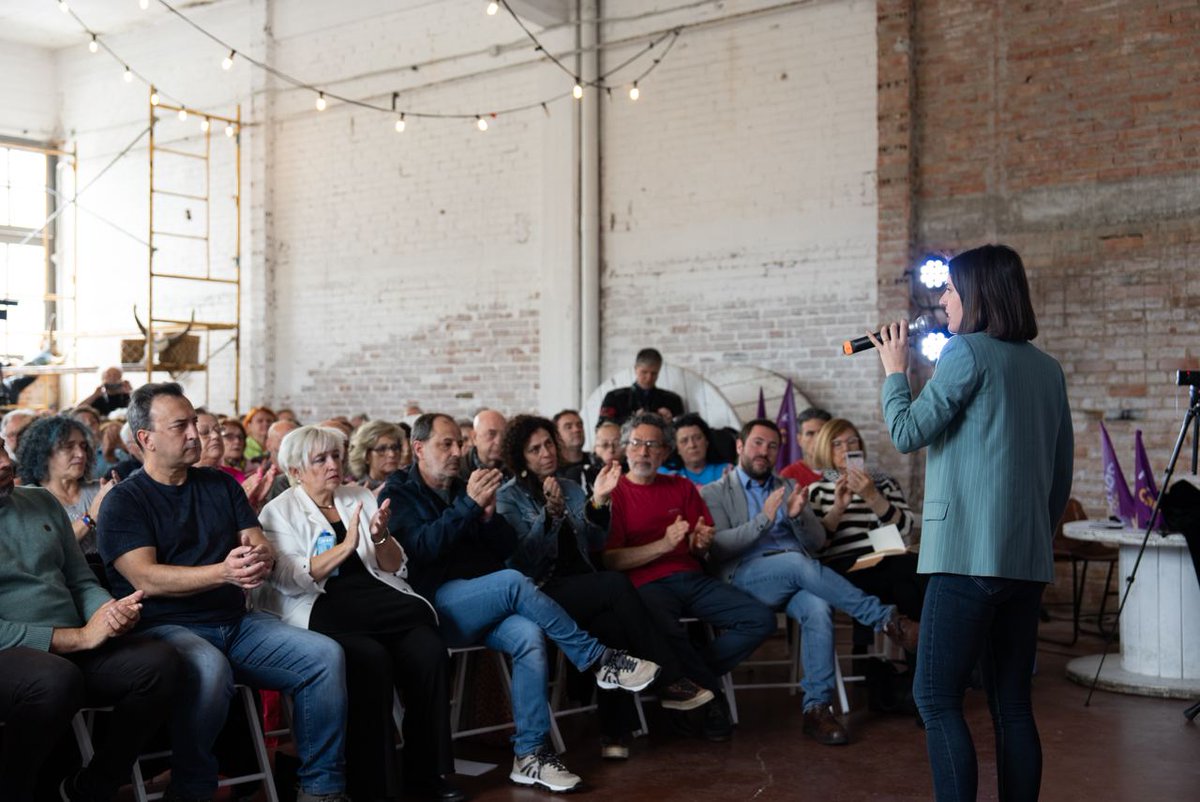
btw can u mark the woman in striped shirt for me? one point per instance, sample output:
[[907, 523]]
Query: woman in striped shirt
[[852, 502]]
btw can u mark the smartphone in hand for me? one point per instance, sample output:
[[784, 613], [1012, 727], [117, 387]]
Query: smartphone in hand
[[855, 459]]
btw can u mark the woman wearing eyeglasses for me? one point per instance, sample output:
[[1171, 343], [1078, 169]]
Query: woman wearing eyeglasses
[[376, 450], [851, 500], [57, 453]]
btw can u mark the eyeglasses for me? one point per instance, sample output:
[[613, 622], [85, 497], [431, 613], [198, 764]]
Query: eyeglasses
[[649, 445], [233, 435], [849, 444], [396, 449]]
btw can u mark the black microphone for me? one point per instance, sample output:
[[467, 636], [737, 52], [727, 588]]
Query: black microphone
[[917, 326]]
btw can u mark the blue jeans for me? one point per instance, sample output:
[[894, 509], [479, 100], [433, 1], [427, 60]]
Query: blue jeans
[[993, 622], [505, 611], [262, 651], [743, 623], [807, 590]]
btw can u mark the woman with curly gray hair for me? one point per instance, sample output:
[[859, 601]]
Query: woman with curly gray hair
[[57, 453], [375, 451]]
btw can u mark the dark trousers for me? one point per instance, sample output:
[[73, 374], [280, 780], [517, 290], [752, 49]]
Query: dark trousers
[[992, 622], [415, 663], [893, 581], [40, 692], [607, 605], [743, 622]]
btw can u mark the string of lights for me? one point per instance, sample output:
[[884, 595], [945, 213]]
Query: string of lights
[[324, 94]]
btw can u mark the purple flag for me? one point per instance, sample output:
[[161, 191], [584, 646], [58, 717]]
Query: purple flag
[[762, 406], [1145, 492], [1116, 489], [789, 449]]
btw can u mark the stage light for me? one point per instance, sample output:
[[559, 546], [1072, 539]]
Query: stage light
[[933, 272], [634, 92], [931, 345]]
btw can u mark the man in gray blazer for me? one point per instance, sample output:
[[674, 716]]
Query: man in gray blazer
[[765, 535]]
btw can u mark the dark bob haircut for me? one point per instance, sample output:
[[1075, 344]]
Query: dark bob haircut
[[40, 439], [991, 282], [517, 434]]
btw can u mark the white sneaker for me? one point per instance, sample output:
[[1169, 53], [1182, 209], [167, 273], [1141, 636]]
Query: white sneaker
[[545, 769], [621, 670]]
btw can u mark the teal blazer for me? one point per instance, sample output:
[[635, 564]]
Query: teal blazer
[[1001, 449]]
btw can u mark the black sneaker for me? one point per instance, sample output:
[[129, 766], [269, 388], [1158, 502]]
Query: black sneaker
[[717, 726], [683, 694]]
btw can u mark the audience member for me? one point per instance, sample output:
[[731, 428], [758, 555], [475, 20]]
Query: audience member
[[233, 435], [279, 430], [212, 450], [63, 644], [643, 395], [358, 420], [133, 458], [456, 546], [89, 417], [765, 534], [691, 461], [606, 448], [809, 422], [339, 572], [375, 451], [466, 428], [56, 453], [660, 531], [111, 395], [109, 452], [188, 538], [570, 434], [556, 530], [851, 502], [256, 423], [11, 426], [487, 453], [286, 414]]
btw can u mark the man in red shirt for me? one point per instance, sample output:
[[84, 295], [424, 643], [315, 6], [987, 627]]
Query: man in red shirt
[[810, 422], [660, 533]]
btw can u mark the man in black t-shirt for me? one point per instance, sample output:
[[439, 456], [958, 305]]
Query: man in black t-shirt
[[188, 538]]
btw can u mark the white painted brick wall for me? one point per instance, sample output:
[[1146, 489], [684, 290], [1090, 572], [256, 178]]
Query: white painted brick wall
[[738, 210]]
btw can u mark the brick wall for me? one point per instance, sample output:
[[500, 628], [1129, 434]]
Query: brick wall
[[1068, 130]]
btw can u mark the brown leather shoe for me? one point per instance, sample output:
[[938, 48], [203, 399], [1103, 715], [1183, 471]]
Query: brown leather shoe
[[820, 723], [904, 631]]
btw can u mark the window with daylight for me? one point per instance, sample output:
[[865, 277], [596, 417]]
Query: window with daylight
[[25, 203]]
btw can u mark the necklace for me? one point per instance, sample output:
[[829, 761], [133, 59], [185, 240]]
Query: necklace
[[324, 506]]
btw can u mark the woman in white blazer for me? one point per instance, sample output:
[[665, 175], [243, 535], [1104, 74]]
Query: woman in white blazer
[[340, 573]]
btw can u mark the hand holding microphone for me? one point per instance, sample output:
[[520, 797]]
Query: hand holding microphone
[[892, 342], [919, 325]]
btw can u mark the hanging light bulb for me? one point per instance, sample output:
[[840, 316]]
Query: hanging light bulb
[[400, 124], [492, 8], [128, 75], [227, 62], [577, 90], [321, 101], [204, 124], [93, 45], [481, 124], [229, 130], [63, 7], [153, 96], [183, 115], [634, 92], [143, 4]]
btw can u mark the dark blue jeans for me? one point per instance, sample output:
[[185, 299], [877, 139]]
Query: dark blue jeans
[[993, 622]]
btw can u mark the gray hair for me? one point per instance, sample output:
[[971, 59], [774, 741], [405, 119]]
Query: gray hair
[[649, 419], [127, 434], [14, 413], [422, 428], [299, 445], [141, 401]]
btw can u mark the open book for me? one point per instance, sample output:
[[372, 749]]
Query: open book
[[885, 541]]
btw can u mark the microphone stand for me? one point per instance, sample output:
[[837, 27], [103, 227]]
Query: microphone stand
[[1191, 420]]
